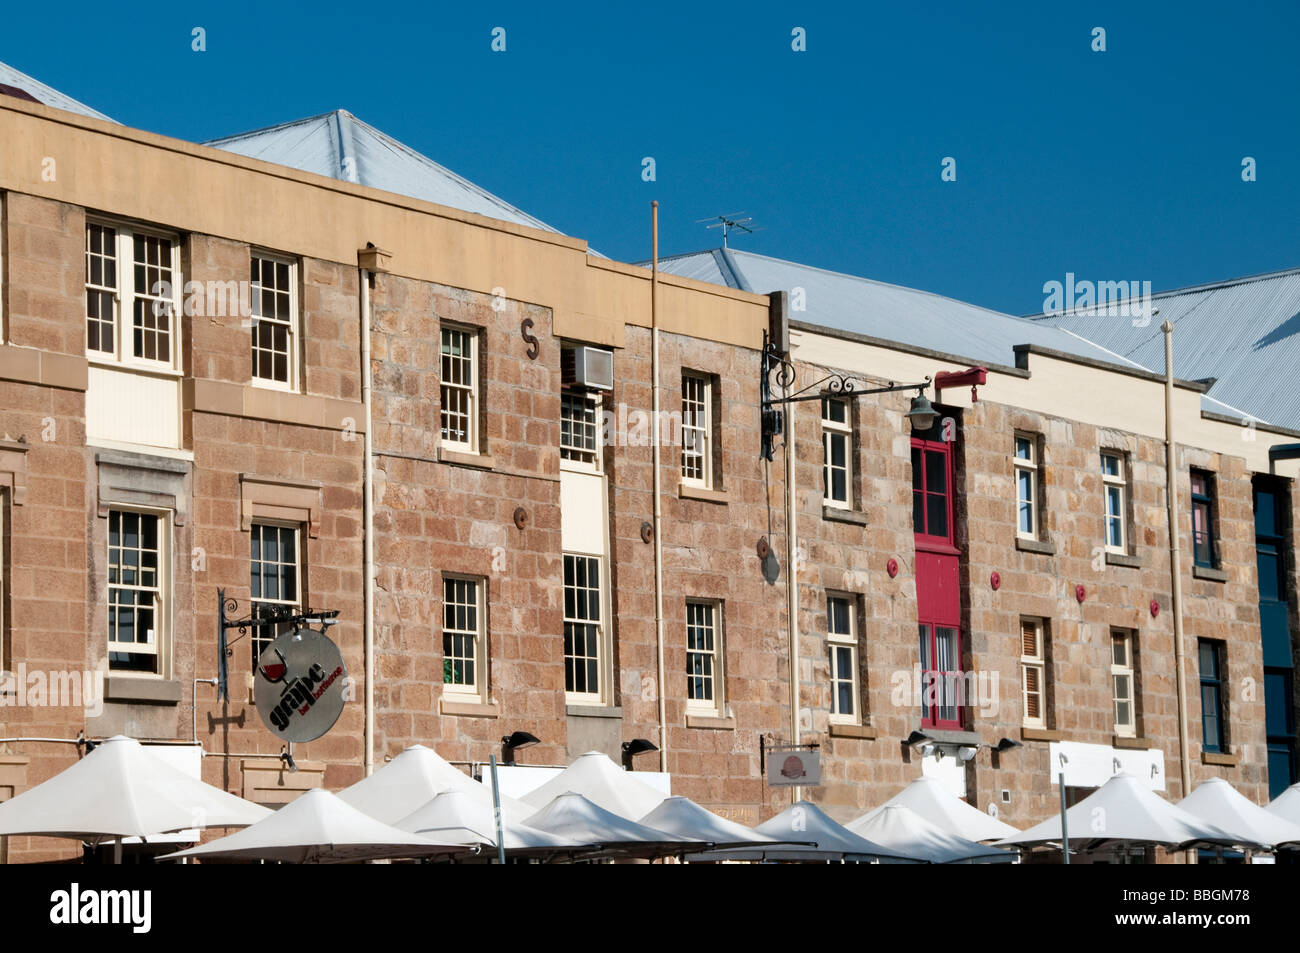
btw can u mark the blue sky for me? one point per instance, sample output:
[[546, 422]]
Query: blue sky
[[1123, 164]]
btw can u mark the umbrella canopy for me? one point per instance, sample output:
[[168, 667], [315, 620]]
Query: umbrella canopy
[[317, 827], [122, 790], [902, 829], [685, 818], [1221, 804], [1123, 811], [601, 781], [455, 817], [934, 803], [808, 834], [414, 778], [581, 821], [1287, 805]]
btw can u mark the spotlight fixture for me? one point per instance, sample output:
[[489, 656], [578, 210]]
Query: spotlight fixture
[[516, 740], [1006, 744], [917, 738], [287, 759], [635, 747]]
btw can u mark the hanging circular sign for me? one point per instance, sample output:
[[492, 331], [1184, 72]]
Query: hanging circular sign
[[299, 685]]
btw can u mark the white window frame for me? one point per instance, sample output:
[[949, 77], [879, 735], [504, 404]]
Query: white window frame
[[477, 689], [839, 642], [292, 384], [255, 636], [1118, 482], [701, 440], [573, 457], [1034, 663], [471, 390], [602, 656], [159, 648], [709, 619], [832, 431], [1123, 670], [125, 293], [1027, 467]]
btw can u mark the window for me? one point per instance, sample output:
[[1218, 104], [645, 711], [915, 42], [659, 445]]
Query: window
[[1204, 547], [837, 440], [579, 430], [133, 291], [1115, 485], [137, 559], [583, 656], [1213, 727], [464, 658], [274, 300], [273, 584], [1027, 495], [931, 494], [1033, 671], [697, 425], [842, 644], [941, 676], [459, 389], [704, 679], [1122, 677]]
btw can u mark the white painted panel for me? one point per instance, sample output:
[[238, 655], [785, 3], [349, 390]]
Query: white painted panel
[[130, 407], [582, 512], [1091, 766], [949, 772]]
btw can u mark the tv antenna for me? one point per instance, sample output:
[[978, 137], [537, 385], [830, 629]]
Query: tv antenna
[[728, 222]]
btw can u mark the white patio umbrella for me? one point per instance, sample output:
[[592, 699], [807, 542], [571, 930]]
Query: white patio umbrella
[[581, 821], [1122, 811], [809, 835], [601, 781], [1218, 802], [122, 790], [683, 817], [1286, 805], [902, 829], [455, 817], [411, 780], [936, 804], [317, 828]]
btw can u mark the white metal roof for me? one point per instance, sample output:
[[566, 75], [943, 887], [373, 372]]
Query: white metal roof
[[46, 95]]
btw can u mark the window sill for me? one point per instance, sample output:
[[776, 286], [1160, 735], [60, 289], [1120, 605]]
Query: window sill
[[1040, 734], [713, 722], [460, 458], [687, 492], [1123, 741], [1026, 545], [951, 736], [1205, 572], [141, 689], [593, 711], [851, 731], [836, 515], [131, 367], [1121, 559], [1219, 758], [467, 707]]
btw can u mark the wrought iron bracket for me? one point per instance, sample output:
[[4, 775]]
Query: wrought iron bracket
[[265, 614]]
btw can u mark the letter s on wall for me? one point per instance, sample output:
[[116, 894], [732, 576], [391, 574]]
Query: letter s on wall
[[525, 329]]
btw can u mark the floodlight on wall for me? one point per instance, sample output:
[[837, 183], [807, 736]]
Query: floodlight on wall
[[514, 741], [1006, 744], [635, 747]]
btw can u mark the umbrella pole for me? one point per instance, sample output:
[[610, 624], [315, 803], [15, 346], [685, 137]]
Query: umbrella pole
[[1065, 827], [117, 850], [496, 804]]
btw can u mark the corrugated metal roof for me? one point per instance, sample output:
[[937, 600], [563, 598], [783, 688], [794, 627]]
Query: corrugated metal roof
[[1245, 333], [44, 94], [889, 312], [339, 145]]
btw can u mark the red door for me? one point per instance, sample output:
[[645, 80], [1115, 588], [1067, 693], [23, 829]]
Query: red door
[[938, 586]]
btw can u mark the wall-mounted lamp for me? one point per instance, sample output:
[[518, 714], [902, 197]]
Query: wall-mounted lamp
[[635, 747], [516, 740], [921, 414]]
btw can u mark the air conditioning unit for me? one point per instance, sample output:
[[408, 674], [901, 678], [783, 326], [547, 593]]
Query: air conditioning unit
[[589, 367]]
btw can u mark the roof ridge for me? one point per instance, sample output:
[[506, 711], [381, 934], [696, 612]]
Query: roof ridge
[[1173, 292]]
